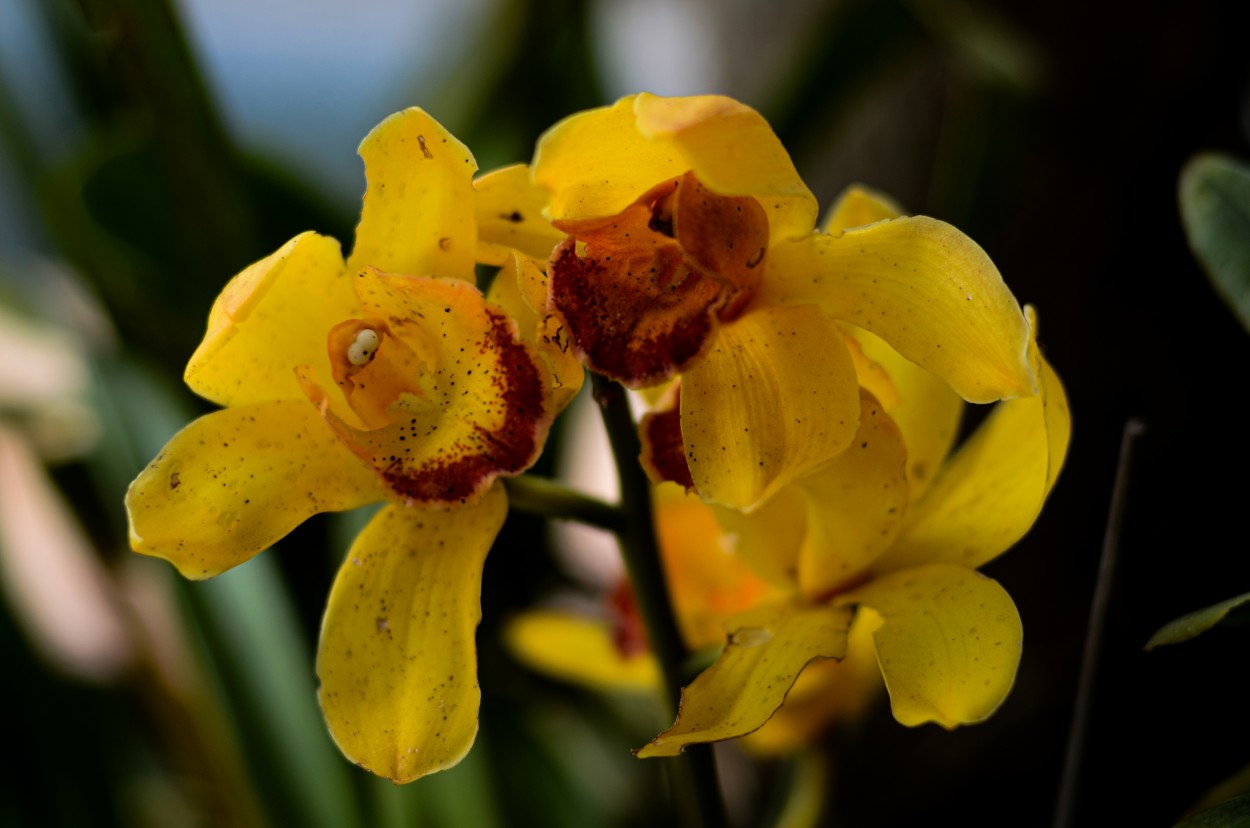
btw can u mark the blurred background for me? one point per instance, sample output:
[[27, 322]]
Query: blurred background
[[149, 149]]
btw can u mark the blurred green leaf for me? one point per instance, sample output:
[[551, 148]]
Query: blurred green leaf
[[249, 620], [1234, 813], [1198, 622], [1215, 211]]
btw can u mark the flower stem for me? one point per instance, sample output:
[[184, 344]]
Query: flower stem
[[695, 782], [547, 498]]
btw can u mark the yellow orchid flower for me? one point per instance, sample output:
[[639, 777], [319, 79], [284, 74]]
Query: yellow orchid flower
[[874, 541], [608, 650], [383, 377], [691, 250]]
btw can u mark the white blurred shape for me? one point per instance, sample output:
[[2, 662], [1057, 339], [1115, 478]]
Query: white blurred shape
[[667, 47], [58, 590], [588, 554]]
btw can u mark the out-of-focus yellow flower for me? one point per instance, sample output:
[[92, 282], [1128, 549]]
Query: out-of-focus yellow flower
[[691, 250], [874, 537], [345, 383]]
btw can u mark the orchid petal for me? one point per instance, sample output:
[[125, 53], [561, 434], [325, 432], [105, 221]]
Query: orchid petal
[[949, 645], [768, 647], [273, 316], [510, 217], [520, 288], [235, 481], [775, 398], [397, 661], [826, 692], [855, 504], [922, 286], [771, 537], [707, 582], [991, 491], [858, 206], [925, 409], [419, 210], [596, 163]]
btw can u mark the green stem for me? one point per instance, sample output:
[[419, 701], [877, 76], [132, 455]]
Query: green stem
[[694, 772], [547, 498]]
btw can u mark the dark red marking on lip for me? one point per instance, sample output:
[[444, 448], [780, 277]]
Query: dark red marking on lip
[[509, 449], [663, 453], [487, 375], [642, 292]]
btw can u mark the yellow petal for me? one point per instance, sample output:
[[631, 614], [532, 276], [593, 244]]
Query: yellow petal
[[397, 661], [925, 409], [520, 288], [708, 583], [510, 216], [770, 538], [419, 208], [857, 206], [922, 286], [579, 649], [733, 150], [774, 398], [268, 319], [479, 407], [949, 645], [827, 692], [767, 648], [595, 163], [855, 504], [235, 481], [991, 491]]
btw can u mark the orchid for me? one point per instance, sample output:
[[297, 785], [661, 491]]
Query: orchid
[[383, 377], [691, 252], [871, 541]]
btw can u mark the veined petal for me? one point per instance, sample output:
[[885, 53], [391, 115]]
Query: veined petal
[[857, 206], [775, 398], [510, 216], [826, 692], [579, 649], [419, 208], [520, 288], [235, 481], [708, 583], [991, 491], [768, 647], [949, 645], [595, 163], [924, 407], [397, 661], [922, 286], [268, 319], [855, 504], [480, 408]]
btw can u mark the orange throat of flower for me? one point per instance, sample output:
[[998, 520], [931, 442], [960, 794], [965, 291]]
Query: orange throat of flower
[[642, 292]]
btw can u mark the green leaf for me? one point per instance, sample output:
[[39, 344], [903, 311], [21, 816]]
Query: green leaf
[[1215, 211], [1235, 813], [1195, 623]]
